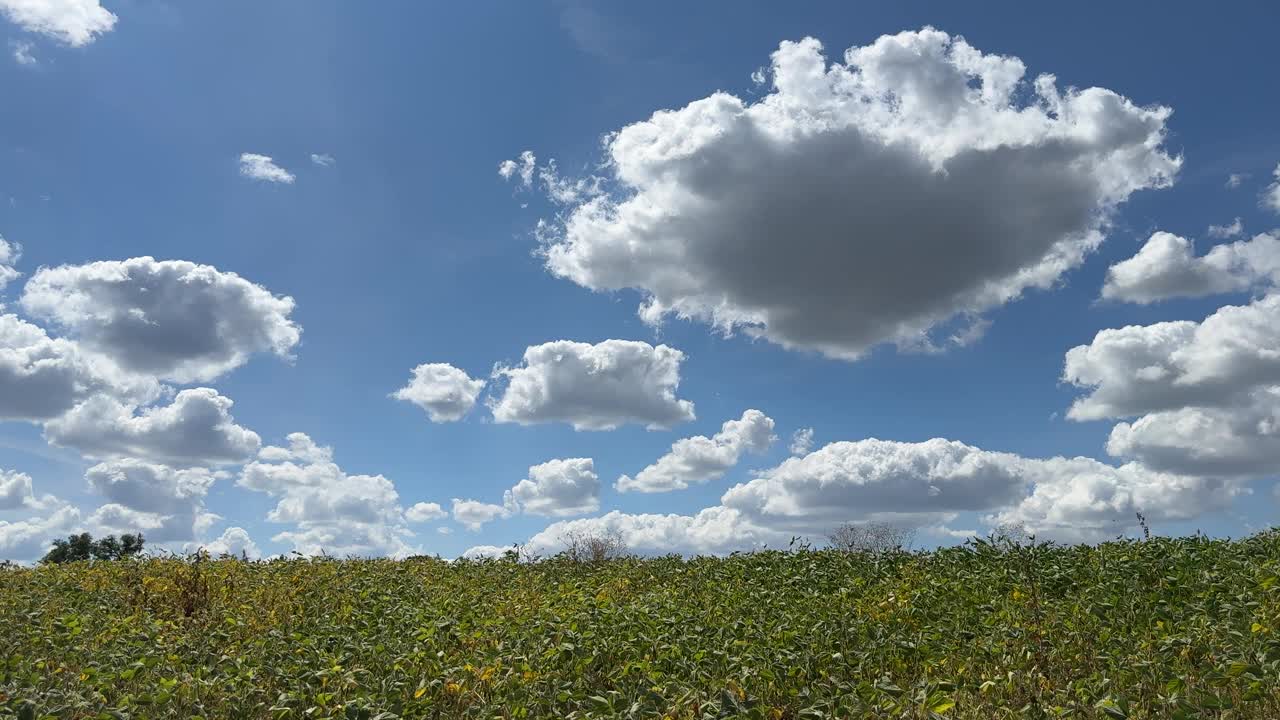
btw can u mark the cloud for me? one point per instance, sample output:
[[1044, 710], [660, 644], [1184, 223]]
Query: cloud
[[174, 319], [797, 218], [556, 488], [847, 481], [71, 22], [1167, 267], [1238, 441], [921, 485], [712, 531], [320, 159], [32, 537], [1223, 232], [1205, 397], [523, 169], [335, 512], [16, 493], [262, 167], [1142, 369], [234, 541], [425, 512], [801, 442], [594, 387], [43, 377], [1235, 180], [195, 429], [442, 390], [473, 514], [699, 459], [22, 53], [1271, 196], [165, 503], [1082, 500], [10, 254]]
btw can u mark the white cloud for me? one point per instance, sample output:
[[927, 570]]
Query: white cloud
[[923, 485], [473, 514], [16, 493], [1271, 196], [712, 531], [262, 167], [442, 390], [1241, 440], [1080, 499], [22, 53], [425, 512], [594, 387], [847, 481], [175, 319], [234, 541], [557, 488], [1224, 232], [10, 254], [339, 513], [322, 159], [42, 377], [523, 169], [801, 441], [1167, 267], [699, 459], [797, 218], [163, 502], [32, 537], [71, 22], [1205, 396], [1235, 180], [1141, 369], [195, 429]]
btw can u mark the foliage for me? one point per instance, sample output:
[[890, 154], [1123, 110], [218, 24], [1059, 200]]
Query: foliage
[[1166, 628], [84, 547]]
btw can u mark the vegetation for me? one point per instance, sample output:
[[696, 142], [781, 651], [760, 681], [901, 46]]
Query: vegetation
[[83, 547], [1165, 628]]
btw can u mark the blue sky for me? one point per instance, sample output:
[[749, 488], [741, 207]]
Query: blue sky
[[404, 246]]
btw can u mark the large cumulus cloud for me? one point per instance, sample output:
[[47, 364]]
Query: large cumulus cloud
[[917, 184], [594, 387], [173, 319]]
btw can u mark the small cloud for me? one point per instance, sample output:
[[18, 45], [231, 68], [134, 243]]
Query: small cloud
[[322, 159], [262, 167], [22, 52], [802, 441], [1271, 196], [1223, 232], [759, 76], [524, 168], [70, 22], [1235, 180]]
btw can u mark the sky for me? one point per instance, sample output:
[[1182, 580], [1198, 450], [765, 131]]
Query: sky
[[423, 278]]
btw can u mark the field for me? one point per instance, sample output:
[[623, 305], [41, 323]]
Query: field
[[1165, 628]]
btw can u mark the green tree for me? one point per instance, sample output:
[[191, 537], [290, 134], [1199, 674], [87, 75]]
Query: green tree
[[84, 547]]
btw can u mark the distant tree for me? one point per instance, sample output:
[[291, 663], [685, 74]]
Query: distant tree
[[589, 547], [873, 537], [84, 547]]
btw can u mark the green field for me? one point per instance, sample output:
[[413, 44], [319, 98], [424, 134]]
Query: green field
[[1165, 628]]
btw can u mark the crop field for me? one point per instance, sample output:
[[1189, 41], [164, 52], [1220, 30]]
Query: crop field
[[1164, 628]]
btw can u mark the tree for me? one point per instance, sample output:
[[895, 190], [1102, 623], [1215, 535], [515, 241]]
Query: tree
[[872, 537], [592, 547], [84, 547]]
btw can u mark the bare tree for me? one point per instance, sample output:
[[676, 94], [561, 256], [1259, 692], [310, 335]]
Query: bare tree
[[872, 537], [1011, 534], [592, 547]]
